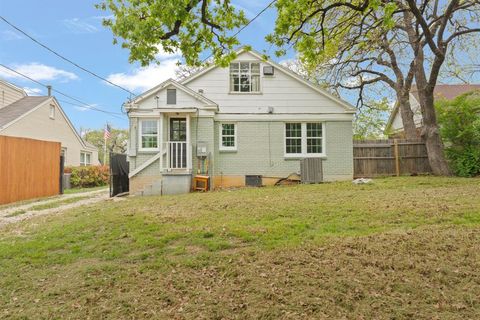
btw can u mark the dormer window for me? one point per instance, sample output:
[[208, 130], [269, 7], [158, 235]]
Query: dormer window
[[244, 77]]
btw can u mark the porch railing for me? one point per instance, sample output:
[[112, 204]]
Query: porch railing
[[178, 155]]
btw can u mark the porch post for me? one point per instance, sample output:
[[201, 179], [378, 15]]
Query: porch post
[[189, 146], [160, 142]]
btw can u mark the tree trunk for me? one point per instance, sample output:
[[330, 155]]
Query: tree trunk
[[431, 135], [407, 116]]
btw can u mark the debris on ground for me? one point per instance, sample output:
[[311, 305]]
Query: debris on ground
[[362, 181]]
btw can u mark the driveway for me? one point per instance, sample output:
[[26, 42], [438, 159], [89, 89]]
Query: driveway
[[51, 206]]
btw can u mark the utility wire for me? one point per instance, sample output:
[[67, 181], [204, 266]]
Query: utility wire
[[83, 104], [64, 58]]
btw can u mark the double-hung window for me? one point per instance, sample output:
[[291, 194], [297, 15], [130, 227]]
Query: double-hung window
[[148, 135], [304, 139], [85, 158], [228, 137], [244, 77]]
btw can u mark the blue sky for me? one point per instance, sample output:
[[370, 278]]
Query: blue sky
[[73, 28]]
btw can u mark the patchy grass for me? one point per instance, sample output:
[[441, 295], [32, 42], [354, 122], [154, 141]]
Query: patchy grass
[[16, 213], [399, 248], [82, 190], [56, 204]]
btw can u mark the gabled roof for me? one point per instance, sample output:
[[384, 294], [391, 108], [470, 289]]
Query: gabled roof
[[441, 91], [21, 108], [177, 85], [15, 110], [14, 87], [347, 106]]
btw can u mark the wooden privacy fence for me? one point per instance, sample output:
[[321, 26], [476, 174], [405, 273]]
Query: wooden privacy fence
[[373, 158], [28, 169]]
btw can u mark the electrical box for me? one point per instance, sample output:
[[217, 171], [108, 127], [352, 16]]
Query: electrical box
[[202, 149]]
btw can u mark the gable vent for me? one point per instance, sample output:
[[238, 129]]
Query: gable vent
[[268, 70]]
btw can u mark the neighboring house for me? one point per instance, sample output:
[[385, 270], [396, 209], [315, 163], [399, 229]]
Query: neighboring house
[[42, 118], [394, 126], [253, 121]]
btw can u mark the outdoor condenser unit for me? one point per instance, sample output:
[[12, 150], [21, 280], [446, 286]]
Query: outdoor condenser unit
[[311, 170]]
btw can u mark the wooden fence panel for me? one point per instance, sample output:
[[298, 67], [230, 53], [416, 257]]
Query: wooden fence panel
[[373, 158], [28, 169]]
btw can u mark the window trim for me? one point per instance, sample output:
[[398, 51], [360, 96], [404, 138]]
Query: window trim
[[140, 124], [85, 163], [249, 74], [220, 141], [304, 138]]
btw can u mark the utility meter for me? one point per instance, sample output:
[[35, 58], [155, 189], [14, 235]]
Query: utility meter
[[202, 150]]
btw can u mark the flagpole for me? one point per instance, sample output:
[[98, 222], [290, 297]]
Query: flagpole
[[105, 148]]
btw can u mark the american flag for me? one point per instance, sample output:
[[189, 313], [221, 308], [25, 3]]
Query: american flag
[[106, 132]]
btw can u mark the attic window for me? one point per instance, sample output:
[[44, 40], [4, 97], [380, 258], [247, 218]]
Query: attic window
[[171, 96], [244, 77], [52, 112]]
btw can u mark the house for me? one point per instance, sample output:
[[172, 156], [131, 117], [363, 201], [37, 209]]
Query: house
[[249, 123], [394, 127], [42, 118]]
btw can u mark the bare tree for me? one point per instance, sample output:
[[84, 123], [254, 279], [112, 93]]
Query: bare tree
[[387, 42]]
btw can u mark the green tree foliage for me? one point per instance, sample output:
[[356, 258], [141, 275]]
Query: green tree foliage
[[459, 121], [191, 26], [117, 142], [370, 122]]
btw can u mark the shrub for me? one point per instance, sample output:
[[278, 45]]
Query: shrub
[[459, 121], [89, 176]]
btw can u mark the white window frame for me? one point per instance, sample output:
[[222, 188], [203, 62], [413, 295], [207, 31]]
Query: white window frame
[[304, 138], [85, 163], [220, 134], [249, 76], [52, 112], [140, 123]]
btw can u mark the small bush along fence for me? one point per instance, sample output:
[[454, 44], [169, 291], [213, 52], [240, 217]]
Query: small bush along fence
[[88, 176]]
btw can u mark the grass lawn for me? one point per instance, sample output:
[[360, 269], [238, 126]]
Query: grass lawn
[[81, 190], [400, 248]]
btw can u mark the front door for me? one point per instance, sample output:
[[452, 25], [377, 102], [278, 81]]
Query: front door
[[178, 143]]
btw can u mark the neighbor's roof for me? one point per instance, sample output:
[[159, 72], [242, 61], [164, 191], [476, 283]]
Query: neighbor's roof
[[441, 91], [14, 87], [17, 109], [448, 91]]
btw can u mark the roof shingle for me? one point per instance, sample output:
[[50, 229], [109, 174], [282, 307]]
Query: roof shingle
[[19, 108]]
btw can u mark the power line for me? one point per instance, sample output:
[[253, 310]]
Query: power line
[[84, 104], [64, 58]]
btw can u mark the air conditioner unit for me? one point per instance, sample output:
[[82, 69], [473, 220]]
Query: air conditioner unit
[[268, 71], [311, 170]]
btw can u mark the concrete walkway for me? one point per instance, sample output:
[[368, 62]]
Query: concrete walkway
[[22, 212]]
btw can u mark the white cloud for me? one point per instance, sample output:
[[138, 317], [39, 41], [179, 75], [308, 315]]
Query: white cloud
[[145, 78], [39, 72], [78, 26], [33, 91], [10, 35]]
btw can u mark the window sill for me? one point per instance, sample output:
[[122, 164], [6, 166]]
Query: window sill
[[303, 156], [148, 150], [227, 150], [245, 93]]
